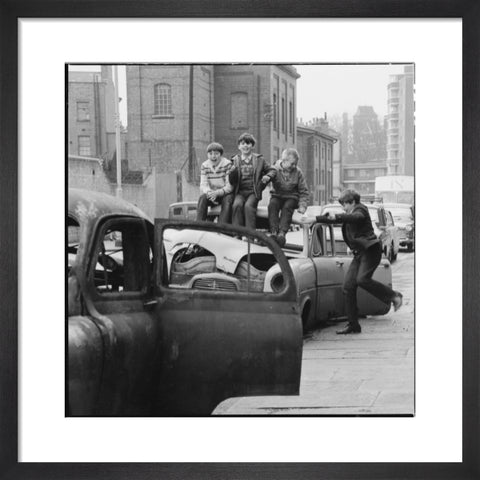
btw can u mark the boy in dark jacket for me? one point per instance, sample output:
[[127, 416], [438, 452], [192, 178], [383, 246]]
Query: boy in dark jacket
[[358, 234], [249, 175], [289, 192]]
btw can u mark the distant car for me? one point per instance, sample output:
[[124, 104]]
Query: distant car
[[404, 217], [385, 229], [185, 210]]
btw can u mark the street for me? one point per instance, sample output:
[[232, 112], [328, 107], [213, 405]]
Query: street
[[371, 373]]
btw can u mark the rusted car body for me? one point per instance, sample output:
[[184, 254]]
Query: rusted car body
[[216, 260], [140, 344]]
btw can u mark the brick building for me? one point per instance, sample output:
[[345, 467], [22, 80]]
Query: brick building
[[260, 99], [175, 111], [315, 144], [91, 113]]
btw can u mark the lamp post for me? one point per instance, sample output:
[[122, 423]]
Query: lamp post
[[117, 135]]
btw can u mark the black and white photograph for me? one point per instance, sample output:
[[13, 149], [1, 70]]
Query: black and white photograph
[[240, 239], [239, 242]]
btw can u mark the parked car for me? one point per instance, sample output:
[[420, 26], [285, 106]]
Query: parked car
[[385, 230], [141, 345], [186, 210], [216, 259], [404, 217]]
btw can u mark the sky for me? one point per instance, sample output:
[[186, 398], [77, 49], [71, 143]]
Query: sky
[[330, 89], [335, 89]]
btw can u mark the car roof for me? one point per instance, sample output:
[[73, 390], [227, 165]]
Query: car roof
[[397, 205], [90, 204]]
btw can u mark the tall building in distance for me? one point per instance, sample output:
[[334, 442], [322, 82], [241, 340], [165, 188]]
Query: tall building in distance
[[368, 136], [400, 123]]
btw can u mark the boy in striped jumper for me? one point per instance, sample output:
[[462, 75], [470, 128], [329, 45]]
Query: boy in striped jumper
[[214, 185]]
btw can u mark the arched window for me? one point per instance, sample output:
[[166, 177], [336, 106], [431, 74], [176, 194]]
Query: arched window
[[163, 99]]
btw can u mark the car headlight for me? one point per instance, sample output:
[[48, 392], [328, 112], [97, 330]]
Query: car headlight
[[409, 228], [277, 283]]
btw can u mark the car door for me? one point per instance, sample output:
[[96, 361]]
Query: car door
[[222, 335], [329, 268], [115, 337], [338, 263]]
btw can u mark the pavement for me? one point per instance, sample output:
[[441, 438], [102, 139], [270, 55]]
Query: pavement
[[371, 373]]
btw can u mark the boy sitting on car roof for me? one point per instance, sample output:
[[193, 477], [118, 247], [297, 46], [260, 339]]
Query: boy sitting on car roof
[[214, 184]]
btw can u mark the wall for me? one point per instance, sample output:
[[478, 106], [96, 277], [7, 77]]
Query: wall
[[88, 173], [257, 83]]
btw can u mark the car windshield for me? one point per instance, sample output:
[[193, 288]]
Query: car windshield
[[402, 214]]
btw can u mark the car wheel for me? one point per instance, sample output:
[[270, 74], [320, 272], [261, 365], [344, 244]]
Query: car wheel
[[305, 316]]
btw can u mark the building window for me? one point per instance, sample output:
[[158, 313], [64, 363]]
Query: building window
[[163, 100], [84, 146], [290, 118], [83, 111], [283, 115], [275, 111], [239, 110]]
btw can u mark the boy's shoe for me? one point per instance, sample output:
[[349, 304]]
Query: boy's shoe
[[281, 239], [350, 328], [397, 301], [272, 235]]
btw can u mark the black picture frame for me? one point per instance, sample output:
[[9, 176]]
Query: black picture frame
[[467, 10]]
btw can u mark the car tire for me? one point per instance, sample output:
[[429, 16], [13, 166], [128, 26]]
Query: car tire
[[305, 316]]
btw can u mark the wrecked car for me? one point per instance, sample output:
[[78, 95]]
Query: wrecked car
[[197, 259], [154, 328]]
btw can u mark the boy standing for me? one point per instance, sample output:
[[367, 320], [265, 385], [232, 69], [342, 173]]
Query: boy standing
[[214, 184], [289, 192], [357, 231], [249, 175]]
